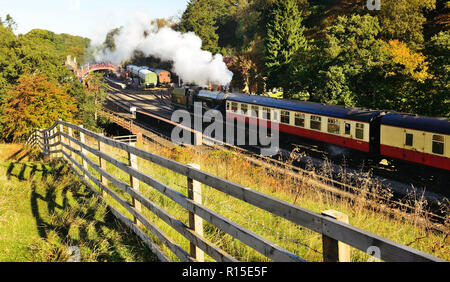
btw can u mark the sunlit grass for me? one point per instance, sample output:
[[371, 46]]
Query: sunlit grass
[[44, 210]]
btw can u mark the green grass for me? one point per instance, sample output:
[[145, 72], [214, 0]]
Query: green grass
[[44, 210]]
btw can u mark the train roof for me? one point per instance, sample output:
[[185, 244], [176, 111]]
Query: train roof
[[358, 114], [158, 71], [136, 68], [144, 71], [438, 125], [215, 95]]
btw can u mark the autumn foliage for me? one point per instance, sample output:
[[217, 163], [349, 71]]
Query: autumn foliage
[[35, 102], [414, 63]]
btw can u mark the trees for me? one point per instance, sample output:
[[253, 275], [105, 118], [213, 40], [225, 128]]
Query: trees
[[438, 52], [35, 88], [284, 38], [109, 40], [96, 95], [404, 20], [213, 21], [89, 99], [247, 69], [8, 23], [35, 102], [354, 66], [8, 56], [351, 60], [200, 18]]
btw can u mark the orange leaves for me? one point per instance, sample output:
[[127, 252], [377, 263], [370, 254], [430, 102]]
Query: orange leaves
[[35, 102], [414, 64]]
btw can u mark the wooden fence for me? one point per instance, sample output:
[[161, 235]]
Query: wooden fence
[[64, 140]]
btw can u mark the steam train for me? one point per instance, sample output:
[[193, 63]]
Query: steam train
[[377, 134]]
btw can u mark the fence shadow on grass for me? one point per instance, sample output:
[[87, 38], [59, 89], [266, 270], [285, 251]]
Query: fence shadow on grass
[[64, 207]]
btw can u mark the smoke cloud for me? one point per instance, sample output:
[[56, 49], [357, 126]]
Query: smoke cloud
[[190, 62]]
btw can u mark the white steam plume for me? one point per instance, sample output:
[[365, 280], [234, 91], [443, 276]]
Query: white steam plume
[[190, 62]]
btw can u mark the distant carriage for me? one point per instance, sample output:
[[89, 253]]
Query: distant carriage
[[144, 77], [164, 77], [147, 78]]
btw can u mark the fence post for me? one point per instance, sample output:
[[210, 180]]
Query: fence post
[[134, 183], [50, 141], [61, 139], [83, 162], [35, 137], [102, 162], [198, 138], [139, 139], [44, 141], [333, 250], [69, 132], [195, 222]]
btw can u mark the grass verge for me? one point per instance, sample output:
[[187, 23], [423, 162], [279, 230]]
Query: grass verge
[[44, 210]]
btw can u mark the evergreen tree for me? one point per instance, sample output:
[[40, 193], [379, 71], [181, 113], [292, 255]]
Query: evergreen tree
[[284, 38], [438, 52], [199, 17]]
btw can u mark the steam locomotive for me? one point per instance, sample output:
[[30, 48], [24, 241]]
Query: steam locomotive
[[377, 134]]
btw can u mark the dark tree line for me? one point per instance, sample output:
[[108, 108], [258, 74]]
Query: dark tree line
[[335, 52]]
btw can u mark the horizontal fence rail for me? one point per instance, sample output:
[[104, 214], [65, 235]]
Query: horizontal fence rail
[[127, 139], [60, 143]]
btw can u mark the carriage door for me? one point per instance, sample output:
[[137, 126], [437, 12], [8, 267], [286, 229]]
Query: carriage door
[[375, 136]]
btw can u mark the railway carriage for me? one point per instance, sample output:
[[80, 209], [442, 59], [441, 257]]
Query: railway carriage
[[147, 78], [164, 77], [347, 127], [416, 139], [133, 70], [376, 134], [211, 100]]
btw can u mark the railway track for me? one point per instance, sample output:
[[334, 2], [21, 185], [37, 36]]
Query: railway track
[[334, 186]]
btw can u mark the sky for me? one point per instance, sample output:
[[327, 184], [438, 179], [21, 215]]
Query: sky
[[87, 18]]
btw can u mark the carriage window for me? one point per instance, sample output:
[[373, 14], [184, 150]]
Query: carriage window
[[228, 106], [409, 139], [316, 122], [285, 117], [244, 109], [348, 129], [333, 126], [234, 107], [438, 144], [255, 111], [300, 119], [266, 113], [275, 115], [360, 131]]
